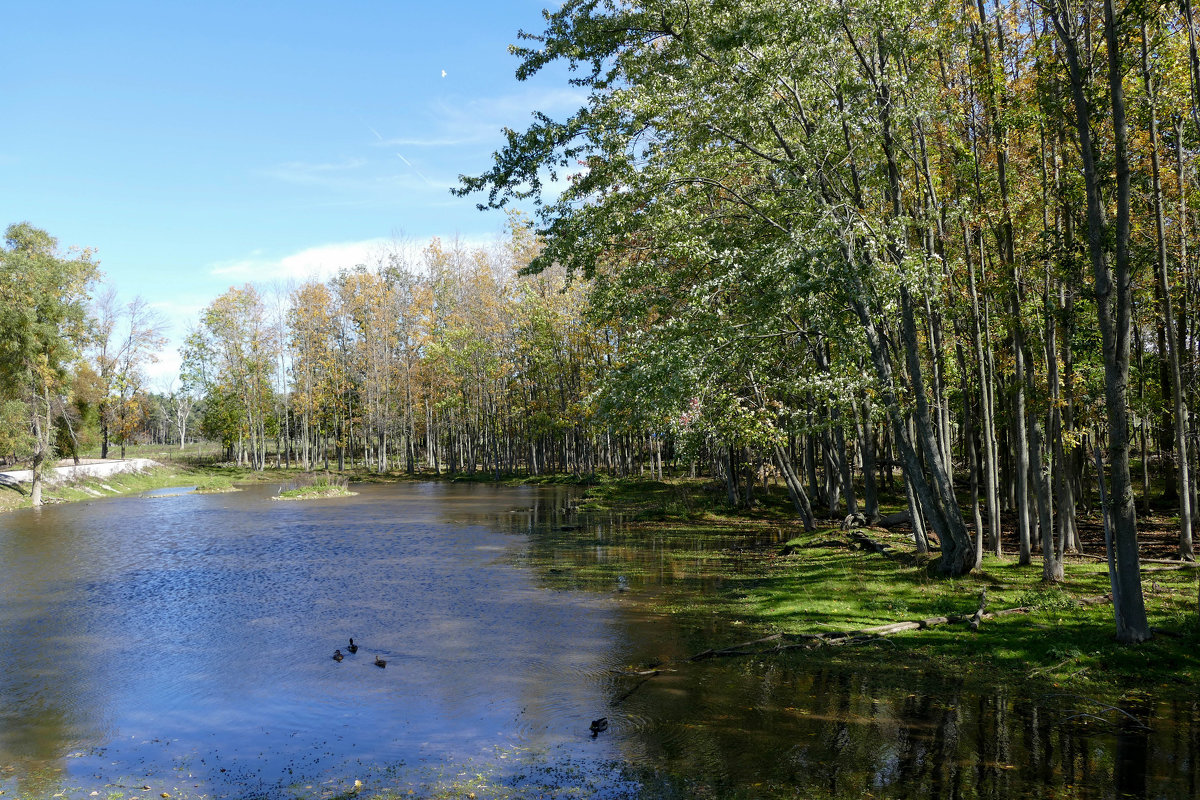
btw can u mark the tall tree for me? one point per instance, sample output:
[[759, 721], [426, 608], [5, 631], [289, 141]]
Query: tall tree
[[1109, 253], [124, 340], [232, 354], [43, 315]]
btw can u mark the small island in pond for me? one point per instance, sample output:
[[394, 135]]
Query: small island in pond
[[316, 487]]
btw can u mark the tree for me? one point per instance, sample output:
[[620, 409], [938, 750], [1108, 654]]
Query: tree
[[232, 355], [1109, 254], [43, 315], [126, 338], [720, 142]]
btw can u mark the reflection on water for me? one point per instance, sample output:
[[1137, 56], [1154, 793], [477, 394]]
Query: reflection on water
[[168, 491], [184, 643]]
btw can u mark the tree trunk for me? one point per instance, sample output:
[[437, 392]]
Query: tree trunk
[[847, 474], [1020, 443], [958, 555], [866, 437], [1186, 551], [795, 488], [956, 544], [1052, 568], [970, 443], [41, 438], [1114, 300], [986, 410], [920, 539]]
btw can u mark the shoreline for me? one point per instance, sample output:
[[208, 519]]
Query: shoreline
[[770, 577]]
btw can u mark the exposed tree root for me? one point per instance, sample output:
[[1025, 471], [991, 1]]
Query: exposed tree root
[[977, 617]]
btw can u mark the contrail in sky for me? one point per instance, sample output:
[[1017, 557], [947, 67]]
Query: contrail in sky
[[420, 174]]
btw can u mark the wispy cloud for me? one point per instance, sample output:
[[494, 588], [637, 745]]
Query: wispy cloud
[[474, 121], [317, 174], [180, 311], [359, 178], [322, 262], [319, 262]]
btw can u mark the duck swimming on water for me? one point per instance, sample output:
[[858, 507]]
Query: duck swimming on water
[[337, 655], [379, 662], [353, 648], [599, 725]]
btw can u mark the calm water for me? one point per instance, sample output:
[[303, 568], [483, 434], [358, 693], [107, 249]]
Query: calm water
[[182, 644]]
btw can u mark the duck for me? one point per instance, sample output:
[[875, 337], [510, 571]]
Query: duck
[[379, 662], [599, 725], [337, 655], [353, 648]]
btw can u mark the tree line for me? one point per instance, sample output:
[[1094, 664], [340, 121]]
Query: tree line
[[454, 363]]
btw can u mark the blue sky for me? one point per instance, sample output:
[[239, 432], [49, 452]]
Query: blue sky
[[196, 146]]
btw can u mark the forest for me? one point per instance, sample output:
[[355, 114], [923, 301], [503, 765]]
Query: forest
[[829, 245]]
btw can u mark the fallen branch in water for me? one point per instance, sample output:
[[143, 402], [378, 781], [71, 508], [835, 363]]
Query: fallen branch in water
[[634, 688], [644, 674], [1129, 719], [1040, 670]]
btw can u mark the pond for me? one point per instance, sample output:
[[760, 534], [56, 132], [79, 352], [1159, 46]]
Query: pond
[[183, 645]]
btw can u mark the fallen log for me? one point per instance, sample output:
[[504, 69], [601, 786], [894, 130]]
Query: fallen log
[[1004, 612], [855, 520], [869, 544], [892, 520], [1165, 632]]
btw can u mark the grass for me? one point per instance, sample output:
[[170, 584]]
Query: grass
[[726, 569], [829, 587]]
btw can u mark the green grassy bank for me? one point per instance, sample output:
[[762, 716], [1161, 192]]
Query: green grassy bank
[[763, 574]]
